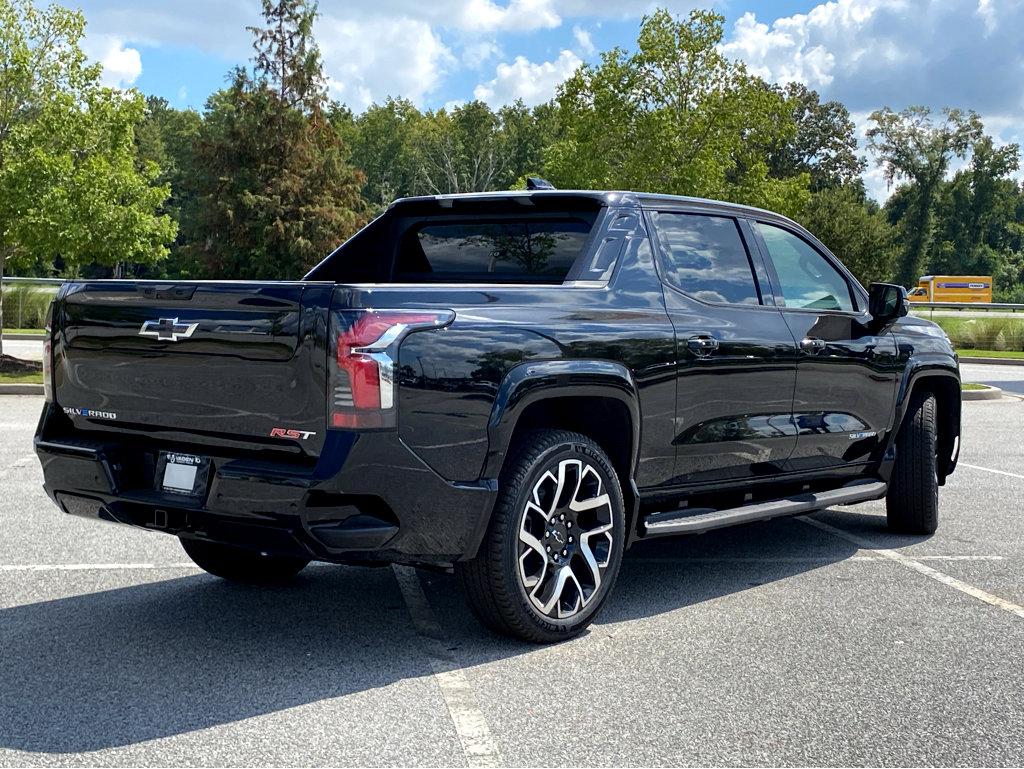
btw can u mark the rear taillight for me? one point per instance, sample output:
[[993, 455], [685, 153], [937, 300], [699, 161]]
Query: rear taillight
[[362, 367], [48, 357]]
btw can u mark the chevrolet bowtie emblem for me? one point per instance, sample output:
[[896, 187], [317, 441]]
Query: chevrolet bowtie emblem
[[168, 329]]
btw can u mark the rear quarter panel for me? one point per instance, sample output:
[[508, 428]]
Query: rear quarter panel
[[450, 379]]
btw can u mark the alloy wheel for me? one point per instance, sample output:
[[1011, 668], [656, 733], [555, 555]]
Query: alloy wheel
[[565, 539]]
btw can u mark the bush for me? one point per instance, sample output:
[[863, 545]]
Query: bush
[[25, 304], [984, 333]]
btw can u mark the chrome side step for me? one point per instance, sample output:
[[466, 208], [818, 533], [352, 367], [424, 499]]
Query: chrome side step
[[697, 521]]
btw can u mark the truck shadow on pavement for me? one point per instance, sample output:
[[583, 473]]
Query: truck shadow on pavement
[[120, 666]]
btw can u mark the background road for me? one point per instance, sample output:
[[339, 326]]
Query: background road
[[800, 641], [1009, 378], [26, 349]]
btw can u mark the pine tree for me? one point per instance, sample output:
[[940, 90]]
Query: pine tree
[[275, 189]]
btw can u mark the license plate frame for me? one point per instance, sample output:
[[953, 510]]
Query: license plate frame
[[182, 474]]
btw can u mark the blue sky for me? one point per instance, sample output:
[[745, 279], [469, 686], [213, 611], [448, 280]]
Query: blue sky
[[866, 53]]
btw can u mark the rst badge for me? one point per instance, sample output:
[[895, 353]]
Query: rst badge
[[168, 329], [71, 411], [282, 432]]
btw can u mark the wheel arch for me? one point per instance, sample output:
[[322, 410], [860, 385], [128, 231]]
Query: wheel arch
[[593, 397], [943, 382]]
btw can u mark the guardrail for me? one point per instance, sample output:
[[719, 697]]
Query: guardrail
[[968, 306], [29, 281]]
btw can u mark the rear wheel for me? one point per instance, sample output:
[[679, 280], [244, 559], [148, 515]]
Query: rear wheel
[[554, 545], [912, 503], [240, 565]]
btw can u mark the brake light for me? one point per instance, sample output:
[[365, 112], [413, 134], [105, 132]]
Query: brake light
[[47, 357], [362, 373]]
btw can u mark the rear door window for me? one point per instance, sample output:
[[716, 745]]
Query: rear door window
[[704, 257]]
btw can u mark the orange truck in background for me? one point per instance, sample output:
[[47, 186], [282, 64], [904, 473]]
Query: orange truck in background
[[953, 288]]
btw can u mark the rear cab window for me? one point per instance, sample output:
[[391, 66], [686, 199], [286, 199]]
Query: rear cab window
[[469, 240], [533, 249]]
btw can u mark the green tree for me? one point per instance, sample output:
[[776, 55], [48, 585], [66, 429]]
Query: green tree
[[166, 136], [287, 56], [525, 133], [274, 188], [71, 189], [825, 144], [675, 116], [854, 230], [384, 147], [910, 145], [975, 213], [462, 150]]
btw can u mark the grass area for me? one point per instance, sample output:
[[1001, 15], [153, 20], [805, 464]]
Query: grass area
[[984, 334], [1011, 354], [24, 331], [25, 377], [973, 386]]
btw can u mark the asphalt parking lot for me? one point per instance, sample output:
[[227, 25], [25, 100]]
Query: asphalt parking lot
[[801, 641]]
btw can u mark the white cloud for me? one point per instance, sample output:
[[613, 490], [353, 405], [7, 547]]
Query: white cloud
[[780, 52], [869, 53], [215, 27], [583, 40], [476, 54], [372, 59], [121, 65], [874, 53], [517, 15], [523, 79]]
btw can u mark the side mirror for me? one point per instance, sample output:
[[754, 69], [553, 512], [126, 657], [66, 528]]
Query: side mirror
[[887, 302]]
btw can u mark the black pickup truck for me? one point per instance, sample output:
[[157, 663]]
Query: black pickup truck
[[514, 385]]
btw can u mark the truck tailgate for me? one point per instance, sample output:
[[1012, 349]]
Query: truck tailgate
[[202, 361]]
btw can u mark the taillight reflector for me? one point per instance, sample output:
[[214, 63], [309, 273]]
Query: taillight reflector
[[362, 376]]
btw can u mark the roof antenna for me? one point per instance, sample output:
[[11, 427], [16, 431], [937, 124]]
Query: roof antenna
[[536, 183]]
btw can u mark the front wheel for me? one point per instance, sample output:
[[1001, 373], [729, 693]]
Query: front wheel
[[240, 565], [912, 502], [555, 540]]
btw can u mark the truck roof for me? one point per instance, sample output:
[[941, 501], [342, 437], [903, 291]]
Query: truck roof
[[604, 197]]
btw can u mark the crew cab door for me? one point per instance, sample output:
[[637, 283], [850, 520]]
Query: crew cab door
[[846, 373], [736, 358]]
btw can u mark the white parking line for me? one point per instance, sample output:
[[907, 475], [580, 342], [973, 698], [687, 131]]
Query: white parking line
[[916, 565], [811, 559], [478, 744], [989, 470], [93, 566]]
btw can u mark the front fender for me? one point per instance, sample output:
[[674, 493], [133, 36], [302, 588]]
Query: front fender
[[944, 368]]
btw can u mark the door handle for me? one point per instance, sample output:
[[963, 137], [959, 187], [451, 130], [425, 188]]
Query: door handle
[[703, 345], [812, 345]]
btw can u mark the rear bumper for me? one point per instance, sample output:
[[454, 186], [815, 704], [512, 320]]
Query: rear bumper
[[368, 499]]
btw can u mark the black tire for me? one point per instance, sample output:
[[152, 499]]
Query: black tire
[[912, 502], [237, 564], [495, 581]]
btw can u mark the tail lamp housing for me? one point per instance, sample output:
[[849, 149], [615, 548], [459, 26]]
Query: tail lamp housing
[[48, 357], [364, 351]]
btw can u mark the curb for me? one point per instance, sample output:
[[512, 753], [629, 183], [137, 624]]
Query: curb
[[23, 337], [993, 361], [21, 389], [988, 394]]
